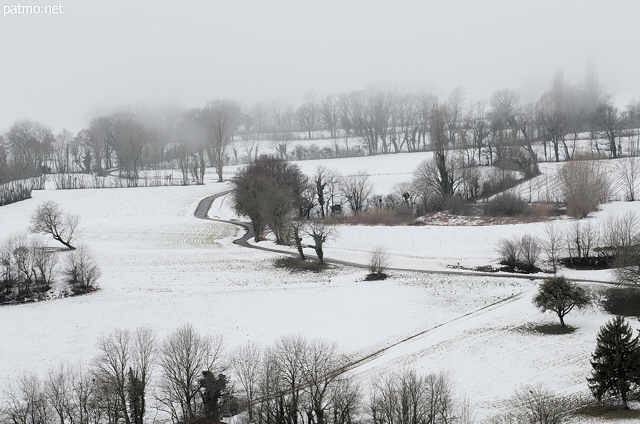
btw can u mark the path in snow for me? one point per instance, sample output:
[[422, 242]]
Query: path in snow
[[205, 204]]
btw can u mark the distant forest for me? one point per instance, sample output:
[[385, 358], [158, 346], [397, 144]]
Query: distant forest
[[501, 131]]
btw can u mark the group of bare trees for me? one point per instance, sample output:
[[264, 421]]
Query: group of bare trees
[[502, 131], [28, 266], [136, 378], [130, 141], [611, 242]]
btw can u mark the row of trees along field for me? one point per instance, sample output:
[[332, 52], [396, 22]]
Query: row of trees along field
[[502, 129], [136, 378]]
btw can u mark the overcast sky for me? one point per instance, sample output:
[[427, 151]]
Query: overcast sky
[[61, 69]]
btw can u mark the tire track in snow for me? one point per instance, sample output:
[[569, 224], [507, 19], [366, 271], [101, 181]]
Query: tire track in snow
[[381, 352]]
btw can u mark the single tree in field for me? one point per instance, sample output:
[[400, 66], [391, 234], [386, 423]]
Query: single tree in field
[[560, 296], [48, 218], [615, 362]]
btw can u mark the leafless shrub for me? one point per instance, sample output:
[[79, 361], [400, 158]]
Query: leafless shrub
[[81, 270], [584, 186], [538, 405], [529, 250], [379, 260], [506, 204], [509, 251], [519, 252]]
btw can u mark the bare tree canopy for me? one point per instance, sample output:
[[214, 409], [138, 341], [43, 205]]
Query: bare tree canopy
[[48, 218]]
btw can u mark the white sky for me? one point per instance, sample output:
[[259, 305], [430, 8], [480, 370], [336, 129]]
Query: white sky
[[61, 69]]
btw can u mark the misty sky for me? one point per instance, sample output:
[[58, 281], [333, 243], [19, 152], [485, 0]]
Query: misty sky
[[62, 69]]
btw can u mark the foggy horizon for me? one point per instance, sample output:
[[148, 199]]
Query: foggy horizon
[[63, 69]]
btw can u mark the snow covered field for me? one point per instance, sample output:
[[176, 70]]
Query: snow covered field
[[162, 267]]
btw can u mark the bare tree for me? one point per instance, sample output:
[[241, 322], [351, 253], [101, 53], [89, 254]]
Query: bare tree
[[439, 175], [621, 235], [61, 150], [85, 407], [628, 171], [30, 147], [58, 390], [581, 239], [356, 189], [608, 120], [308, 114], [454, 112], [320, 184], [289, 353], [477, 116], [552, 113], [346, 399], [322, 365], [26, 403], [48, 218], [246, 363], [123, 367], [552, 243], [529, 251], [26, 266], [319, 233], [221, 119], [184, 356], [298, 228], [131, 141], [330, 114]]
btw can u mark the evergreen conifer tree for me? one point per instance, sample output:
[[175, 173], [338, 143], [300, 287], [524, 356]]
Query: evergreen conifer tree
[[615, 362]]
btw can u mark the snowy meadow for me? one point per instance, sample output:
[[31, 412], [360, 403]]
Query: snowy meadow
[[162, 267]]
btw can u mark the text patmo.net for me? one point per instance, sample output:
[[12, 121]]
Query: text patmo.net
[[21, 9]]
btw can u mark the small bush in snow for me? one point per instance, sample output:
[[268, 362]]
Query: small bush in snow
[[81, 270], [522, 253], [379, 260], [538, 404], [507, 204]]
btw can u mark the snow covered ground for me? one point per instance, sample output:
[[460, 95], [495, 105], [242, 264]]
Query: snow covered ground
[[162, 267]]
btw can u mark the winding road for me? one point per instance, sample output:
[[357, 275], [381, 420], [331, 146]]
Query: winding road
[[205, 204]]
